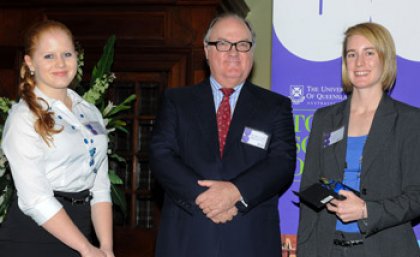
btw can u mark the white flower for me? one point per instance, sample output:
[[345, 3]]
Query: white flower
[[108, 108], [106, 121]]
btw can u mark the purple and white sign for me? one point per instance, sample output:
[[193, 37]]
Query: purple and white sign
[[306, 64]]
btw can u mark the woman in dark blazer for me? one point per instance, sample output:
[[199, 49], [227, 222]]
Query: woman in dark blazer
[[370, 142]]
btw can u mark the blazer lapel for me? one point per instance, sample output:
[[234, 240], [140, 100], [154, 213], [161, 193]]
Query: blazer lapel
[[382, 125], [340, 121], [206, 115], [244, 109]]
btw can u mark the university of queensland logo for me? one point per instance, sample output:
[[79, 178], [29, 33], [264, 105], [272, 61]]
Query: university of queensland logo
[[297, 93]]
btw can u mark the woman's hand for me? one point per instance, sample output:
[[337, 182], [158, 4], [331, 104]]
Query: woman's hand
[[93, 251], [351, 209], [109, 253]]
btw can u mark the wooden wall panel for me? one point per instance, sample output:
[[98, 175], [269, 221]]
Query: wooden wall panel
[[141, 27], [14, 22], [8, 83], [11, 58]]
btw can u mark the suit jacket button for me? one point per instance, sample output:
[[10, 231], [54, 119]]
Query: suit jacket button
[[364, 191]]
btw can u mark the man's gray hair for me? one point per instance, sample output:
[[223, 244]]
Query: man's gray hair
[[229, 15]]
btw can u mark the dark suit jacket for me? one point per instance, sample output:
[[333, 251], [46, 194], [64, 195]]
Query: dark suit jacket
[[184, 149], [389, 183]]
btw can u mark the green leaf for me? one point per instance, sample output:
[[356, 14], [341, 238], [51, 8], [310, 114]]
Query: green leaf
[[122, 129], [4, 182], [117, 157], [119, 123], [124, 105], [118, 198], [7, 194], [105, 62], [129, 99], [114, 178]]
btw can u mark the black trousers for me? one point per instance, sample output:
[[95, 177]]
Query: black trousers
[[20, 236]]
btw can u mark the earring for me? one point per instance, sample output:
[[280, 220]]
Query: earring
[[32, 72]]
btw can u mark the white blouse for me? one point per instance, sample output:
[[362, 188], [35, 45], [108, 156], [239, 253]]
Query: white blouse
[[75, 160]]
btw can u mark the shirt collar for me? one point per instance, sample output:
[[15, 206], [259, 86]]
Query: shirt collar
[[75, 98], [216, 86]]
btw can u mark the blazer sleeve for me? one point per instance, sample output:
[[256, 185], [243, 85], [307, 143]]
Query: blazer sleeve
[[404, 207], [178, 180], [274, 173]]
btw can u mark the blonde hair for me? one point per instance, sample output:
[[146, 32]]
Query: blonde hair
[[382, 40], [44, 124]]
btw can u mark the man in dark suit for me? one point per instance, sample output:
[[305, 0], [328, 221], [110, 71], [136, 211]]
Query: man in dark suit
[[223, 150]]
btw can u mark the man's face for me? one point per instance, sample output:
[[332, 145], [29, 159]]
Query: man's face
[[229, 68]]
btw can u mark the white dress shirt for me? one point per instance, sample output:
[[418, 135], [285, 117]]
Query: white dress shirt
[[75, 160]]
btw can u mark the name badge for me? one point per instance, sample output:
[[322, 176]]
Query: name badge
[[333, 137], [95, 128], [255, 138]]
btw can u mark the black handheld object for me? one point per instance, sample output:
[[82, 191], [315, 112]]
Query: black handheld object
[[319, 194]]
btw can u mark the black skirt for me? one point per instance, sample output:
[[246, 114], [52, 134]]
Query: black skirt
[[20, 236]]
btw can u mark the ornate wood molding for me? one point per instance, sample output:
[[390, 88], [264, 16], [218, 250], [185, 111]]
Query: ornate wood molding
[[236, 6], [79, 3]]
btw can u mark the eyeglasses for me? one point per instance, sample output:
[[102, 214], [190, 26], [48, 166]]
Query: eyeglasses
[[226, 46]]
